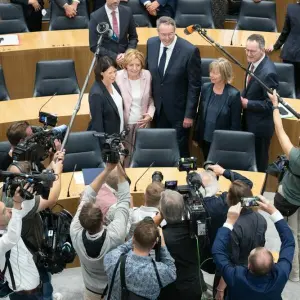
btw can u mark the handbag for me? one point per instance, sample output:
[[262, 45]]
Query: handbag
[[125, 293]]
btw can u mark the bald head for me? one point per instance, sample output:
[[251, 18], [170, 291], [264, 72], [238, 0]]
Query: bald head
[[260, 261]]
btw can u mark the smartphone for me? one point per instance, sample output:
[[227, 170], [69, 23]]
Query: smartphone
[[171, 184], [249, 201]]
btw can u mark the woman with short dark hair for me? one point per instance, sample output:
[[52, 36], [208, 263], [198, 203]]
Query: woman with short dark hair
[[105, 100]]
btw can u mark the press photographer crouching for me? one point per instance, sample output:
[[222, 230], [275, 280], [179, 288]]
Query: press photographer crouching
[[32, 229], [132, 272], [19, 277], [287, 198], [248, 231], [182, 248], [91, 239], [262, 279]]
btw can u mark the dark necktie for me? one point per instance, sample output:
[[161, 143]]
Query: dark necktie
[[249, 77], [162, 63]]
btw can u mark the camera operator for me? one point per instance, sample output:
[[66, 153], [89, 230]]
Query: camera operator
[[16, 133], [150, 207], [182, 248], [144, 276], [91, 239], [22, 275], [287, 198], [248, 233], [217, 206], [32, 229], [262, 279]]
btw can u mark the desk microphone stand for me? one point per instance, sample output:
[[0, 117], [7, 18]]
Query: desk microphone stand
[[203, 33], [78, 104]]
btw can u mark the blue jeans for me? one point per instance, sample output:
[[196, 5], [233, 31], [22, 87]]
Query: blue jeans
[[47, 285]]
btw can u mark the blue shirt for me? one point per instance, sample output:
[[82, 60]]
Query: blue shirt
[[140, 274]]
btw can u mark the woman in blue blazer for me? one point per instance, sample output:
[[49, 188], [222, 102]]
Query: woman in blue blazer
[[220, 105]]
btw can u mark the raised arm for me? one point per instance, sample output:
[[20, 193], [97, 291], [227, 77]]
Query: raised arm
[[283, 138]]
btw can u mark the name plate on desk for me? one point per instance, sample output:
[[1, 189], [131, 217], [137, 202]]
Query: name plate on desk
[[9, 40]]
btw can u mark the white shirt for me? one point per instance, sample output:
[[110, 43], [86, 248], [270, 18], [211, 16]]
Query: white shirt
[[136, 105], [119, 103], [256, 64], [168, 53], [24, 270], [108, 12]]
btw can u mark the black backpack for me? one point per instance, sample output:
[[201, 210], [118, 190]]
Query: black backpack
[[125, 293]]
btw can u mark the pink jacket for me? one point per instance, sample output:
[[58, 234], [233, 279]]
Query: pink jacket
[[147, 100]]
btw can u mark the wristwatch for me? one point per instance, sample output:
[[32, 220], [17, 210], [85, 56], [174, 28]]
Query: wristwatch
[[275, 107]]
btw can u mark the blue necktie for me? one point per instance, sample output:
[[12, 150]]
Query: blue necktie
[[162, 63]]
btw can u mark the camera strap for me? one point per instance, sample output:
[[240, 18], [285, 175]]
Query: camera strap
[[8, 265]]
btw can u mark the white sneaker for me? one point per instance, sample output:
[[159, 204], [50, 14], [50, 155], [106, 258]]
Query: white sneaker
[[57, 296]]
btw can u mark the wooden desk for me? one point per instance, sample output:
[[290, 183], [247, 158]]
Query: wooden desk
[[19, 62], [28, 109], [71, 203]]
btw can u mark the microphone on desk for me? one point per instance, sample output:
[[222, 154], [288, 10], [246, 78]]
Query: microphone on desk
[[231, 41], [142, 176], [68, 193]]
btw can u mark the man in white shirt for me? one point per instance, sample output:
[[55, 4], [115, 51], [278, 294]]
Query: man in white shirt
[[21, 272], [124, 28]]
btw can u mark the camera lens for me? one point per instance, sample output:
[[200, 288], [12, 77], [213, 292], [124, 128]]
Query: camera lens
[[157, 176]]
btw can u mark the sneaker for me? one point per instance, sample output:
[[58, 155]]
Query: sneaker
[[57, 296]]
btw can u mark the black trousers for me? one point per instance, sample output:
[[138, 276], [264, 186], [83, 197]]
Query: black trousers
[[262, 145], [205, 146], [296, 75], [162, 121], [34, 20]]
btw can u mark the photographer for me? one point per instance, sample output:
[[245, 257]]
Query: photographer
[[182, 248], [32, 229], [248, 233], [21, 273], [150, 207], [262, 279], [16, 133], [287, 198], [91, 239], [143, 276], [217, 206]]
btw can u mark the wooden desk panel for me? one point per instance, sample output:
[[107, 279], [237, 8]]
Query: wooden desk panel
[[71, 202], [19, 62], [28, 109]]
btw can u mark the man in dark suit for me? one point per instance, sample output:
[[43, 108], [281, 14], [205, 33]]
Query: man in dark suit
[[120, 20], [160, 8], [257, 113], [262, 279], [175, 66], [70, 7]]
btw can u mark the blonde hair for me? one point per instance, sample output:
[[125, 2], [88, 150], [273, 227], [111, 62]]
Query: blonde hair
[[132, 54], [224, 67]]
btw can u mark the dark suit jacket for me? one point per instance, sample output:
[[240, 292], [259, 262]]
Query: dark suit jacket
[[258, 116], [127, 39], [229, 115], [290, 35], [241, 283], [104, 112], [178, 91], [163, 3]]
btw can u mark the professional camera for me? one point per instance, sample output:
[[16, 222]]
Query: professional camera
[[40, 182], [111, 146], [193, 199], [37, 147]]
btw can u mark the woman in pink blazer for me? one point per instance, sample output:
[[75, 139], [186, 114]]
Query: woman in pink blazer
[[135, 85]]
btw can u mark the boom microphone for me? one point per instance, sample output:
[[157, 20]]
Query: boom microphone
[[190, 29]]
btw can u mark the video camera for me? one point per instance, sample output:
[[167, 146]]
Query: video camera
[[15, 180], [36, 148], [111, 146], [195, 211]]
